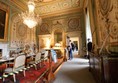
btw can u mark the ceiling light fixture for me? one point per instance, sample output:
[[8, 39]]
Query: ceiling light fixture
[[29, 17]]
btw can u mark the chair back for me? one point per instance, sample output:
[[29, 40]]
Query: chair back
[[42, 51], [37, 57], [19, 62], [45, 54]]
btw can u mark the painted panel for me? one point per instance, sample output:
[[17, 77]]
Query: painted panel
[[4, 12]]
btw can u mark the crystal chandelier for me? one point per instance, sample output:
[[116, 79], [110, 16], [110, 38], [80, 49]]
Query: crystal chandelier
[[29, 17]]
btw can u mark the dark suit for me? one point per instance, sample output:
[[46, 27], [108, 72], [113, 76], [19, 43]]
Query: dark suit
[[89, 46]]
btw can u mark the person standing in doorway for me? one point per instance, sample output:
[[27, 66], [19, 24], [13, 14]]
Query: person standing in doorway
[[89, 46], [67, 46], [70, 50], [73, 46], [67, 41]]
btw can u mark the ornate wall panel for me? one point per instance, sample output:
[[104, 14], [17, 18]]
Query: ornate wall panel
[[20, 34], [17, 32], [113, 31], [21, 31], [105, 6], [74, 24], [44, 28], [107, 21]]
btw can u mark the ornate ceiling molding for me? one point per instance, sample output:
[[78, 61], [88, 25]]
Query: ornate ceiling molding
[[53, 7], [38, 1], [62, 12], [58, 6], [19, 4]]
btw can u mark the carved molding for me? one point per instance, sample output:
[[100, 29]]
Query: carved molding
[[4, 6], [114, 31], [19, 28], [59, 6], [105, 6], [107, 22], [44, 28], [21, 31], [74, 24]]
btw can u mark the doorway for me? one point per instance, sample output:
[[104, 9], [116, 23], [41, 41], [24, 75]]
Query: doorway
[[75, 40]]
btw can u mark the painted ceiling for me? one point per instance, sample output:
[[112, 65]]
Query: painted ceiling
[[52, 7]]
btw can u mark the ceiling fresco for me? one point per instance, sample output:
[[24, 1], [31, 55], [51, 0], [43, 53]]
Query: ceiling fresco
[[46, 7]]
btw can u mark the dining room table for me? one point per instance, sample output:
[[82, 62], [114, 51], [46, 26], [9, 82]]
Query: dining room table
[[11, 59]]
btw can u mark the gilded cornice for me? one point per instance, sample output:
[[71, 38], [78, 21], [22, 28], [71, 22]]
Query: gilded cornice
[[19, 4], [62, 12]]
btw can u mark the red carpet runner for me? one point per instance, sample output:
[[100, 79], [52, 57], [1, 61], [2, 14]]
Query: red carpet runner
[[33, 75]]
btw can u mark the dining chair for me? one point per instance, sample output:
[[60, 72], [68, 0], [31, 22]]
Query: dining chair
[[36, 60], [45, 57], [19, 65]]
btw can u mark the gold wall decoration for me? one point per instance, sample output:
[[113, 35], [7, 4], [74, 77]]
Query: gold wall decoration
[[44, 28], [4, 12], [20, 34], [59, 6], [114, 31], [57, 36], [105, 23], [74, 24], [21, 31], [105, 6]]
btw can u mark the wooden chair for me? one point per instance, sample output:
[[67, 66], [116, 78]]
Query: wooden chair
[[19, 64], [37, 59]]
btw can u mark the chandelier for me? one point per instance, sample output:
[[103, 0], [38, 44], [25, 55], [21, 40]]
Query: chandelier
[[29, 17]]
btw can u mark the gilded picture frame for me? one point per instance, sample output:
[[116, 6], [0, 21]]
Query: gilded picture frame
[[4, 13]]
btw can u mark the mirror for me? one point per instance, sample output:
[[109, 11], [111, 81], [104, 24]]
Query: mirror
[[57, 37]]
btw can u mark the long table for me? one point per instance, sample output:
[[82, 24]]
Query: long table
[[3, 60]]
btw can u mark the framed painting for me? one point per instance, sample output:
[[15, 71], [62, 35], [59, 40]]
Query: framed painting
[[4, 10]]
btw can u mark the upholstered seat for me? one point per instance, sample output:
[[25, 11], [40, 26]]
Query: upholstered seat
[[36, 60], [19, 64], [8, 70], [45, 56]]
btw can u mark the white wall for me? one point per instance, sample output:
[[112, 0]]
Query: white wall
[[5, 51]]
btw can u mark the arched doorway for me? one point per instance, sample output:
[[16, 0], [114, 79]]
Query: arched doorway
[[58, 35]]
